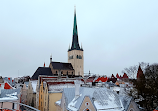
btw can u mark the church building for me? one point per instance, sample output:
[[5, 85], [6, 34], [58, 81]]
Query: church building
[[74, 67], [75, 53]]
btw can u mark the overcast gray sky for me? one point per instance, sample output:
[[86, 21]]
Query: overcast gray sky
[[114, 34]]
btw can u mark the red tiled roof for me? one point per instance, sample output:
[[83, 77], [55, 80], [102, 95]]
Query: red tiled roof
[[7, 86], [112, 76], [125, 75], [140, 72], [117, 75], [102, 79]]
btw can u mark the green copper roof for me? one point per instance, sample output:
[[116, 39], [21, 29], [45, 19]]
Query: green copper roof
[[75, 25], [75, 43]]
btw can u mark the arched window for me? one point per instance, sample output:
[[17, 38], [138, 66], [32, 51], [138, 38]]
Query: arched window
[[61, 72], [80, 57], [56, 72], [77, 56], [72, 73]]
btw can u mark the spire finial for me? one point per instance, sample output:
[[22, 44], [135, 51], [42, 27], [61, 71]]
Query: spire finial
[[44, 64], [50, 58]]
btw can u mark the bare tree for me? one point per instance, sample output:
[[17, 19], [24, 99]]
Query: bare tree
[[132, 70]]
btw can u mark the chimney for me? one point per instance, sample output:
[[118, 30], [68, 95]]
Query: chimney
[[77, 88], [59, 74]]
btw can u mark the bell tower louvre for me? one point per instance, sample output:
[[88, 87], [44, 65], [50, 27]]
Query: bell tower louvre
[[75, 53]]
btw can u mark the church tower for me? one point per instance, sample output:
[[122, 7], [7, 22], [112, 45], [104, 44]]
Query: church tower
[[75, 53]]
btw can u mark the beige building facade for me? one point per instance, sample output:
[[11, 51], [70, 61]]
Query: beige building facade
[[24, 94], [31, 94], [87, 105], [75, 57], [53, 97]]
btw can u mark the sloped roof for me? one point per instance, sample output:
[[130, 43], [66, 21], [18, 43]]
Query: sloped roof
[[42, 71], [103, 98], [139, 72], [101, 79], [7, 86], [27, 83], [34, 84], [117, 75], [61, 65], [125, 75], [125, 101], [4, 92]]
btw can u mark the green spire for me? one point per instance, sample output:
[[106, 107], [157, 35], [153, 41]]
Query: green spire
[[75, 24], [75, 43]]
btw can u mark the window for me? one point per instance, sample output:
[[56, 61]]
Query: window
[[41, 96], [87, 109], [13, 106], [77, 56], [67, 72], [56, 72], [61, 72], [80, 57], [72, 73], [70, 57]]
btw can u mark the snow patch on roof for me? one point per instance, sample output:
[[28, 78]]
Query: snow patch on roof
[[60, 87], [34, 84]]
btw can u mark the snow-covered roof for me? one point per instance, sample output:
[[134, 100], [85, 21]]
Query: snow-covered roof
[[102, 98], [59, 86], [9, 94], [27, 84], [116, 88], [34, 84]]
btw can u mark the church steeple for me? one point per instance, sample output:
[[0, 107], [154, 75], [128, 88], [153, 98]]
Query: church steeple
[[75, 52], [75, 43]]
